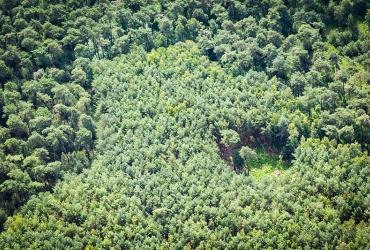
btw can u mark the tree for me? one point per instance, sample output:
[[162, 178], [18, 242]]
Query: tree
[[5, 72], [35, 141], [16, 126], [297, 83], [56, 140], [55, 51], [166, 28], [248, 155], [84, 139], [229, 137], [79, 76], [346, 134]]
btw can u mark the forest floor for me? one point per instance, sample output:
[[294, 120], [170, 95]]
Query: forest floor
[[268, 161], [267, 164]]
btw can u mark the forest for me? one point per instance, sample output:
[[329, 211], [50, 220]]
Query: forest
[[184, 124]]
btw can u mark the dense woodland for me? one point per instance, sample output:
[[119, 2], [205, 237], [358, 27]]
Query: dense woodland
[[158, 124]]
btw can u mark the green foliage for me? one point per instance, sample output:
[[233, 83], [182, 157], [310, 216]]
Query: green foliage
[[128, 124], [248, 154], [267, 164], [229, 137]]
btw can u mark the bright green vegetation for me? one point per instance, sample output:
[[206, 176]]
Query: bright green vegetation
[[267, 164], [184, 124]]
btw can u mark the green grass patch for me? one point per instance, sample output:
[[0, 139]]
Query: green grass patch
[[266, 164]]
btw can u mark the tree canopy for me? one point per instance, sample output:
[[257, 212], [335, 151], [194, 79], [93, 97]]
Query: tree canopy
[[136, 124]]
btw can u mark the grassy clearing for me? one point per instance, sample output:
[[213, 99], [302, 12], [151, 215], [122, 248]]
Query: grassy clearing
[[266, 164]]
